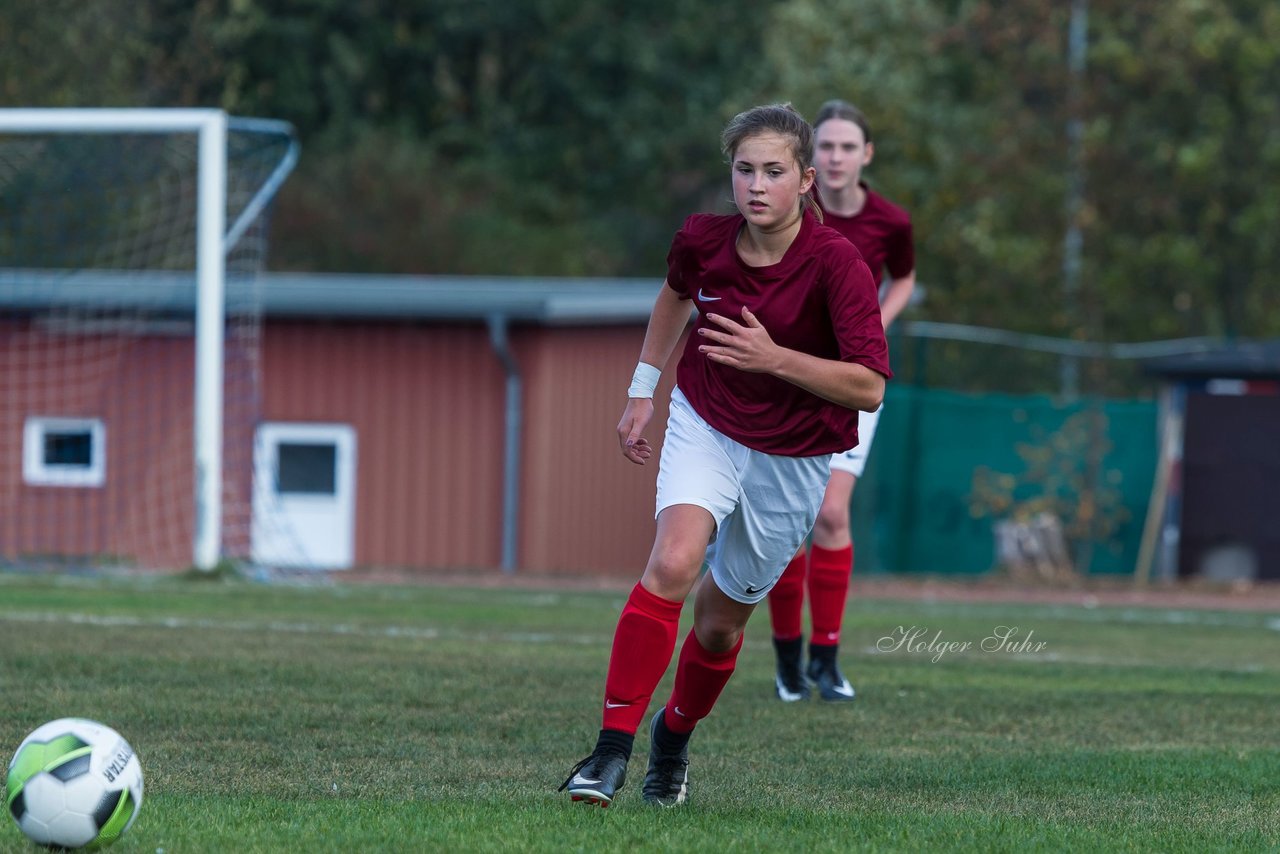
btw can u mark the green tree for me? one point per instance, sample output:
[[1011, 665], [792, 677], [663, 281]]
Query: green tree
[[967, 107], [71, 53], [1184, 144], [571, 136], [575, 130]]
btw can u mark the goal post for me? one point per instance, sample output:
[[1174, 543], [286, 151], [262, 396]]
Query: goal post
[[213, 239]]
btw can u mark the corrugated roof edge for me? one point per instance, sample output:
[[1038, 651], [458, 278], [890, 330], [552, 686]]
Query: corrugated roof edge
[[551, 301], [1243, 360], [539, 300]]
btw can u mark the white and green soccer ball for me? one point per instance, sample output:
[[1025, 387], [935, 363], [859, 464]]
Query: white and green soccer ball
[[74, 783]]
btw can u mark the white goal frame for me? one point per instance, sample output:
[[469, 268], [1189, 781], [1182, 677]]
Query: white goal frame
[[212, 243]]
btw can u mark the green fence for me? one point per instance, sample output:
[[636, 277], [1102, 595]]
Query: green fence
[[946, 466]]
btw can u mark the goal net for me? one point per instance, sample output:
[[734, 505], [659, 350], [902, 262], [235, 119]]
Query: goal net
[[130, 328]]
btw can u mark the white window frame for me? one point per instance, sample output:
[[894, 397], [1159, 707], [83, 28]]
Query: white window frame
[[37, 472]]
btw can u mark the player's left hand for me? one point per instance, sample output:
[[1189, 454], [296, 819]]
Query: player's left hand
[[745, 346], [634, 419]]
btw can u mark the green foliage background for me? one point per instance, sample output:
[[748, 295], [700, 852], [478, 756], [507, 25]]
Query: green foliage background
[[568, 137]]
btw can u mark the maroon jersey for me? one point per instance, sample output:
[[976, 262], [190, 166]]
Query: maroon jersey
[[819, 299], [882, 233]]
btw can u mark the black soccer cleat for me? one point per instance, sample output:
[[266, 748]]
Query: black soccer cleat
[[789, 682], [666, 782], [597, 778], [830, 683]]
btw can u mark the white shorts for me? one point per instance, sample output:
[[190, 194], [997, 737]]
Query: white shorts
[[854, 460], [764, 505]]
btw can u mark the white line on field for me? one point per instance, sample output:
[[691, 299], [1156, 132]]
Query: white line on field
[[348, 629], [430, 634], [434, 634]]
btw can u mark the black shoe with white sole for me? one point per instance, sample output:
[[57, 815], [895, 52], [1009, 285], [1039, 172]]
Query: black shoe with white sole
[[826, 678], [666, 783], [788, 682], [597, 778]]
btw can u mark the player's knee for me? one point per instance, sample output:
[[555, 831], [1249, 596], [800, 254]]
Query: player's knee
[[674, 567], [832, 523], [717, 635]]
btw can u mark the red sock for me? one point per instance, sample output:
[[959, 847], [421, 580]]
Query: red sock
[[786, 599], [642, 647], [829, 572], [700, 677]]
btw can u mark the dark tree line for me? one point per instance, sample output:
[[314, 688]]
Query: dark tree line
[[567, 137]]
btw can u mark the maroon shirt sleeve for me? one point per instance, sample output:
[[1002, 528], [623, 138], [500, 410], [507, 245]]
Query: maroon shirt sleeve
[[682, 257], [900, 253], [854, 303]]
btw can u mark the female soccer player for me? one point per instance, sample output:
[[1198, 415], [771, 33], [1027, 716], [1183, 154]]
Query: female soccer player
[[787, 346], [882, 233]]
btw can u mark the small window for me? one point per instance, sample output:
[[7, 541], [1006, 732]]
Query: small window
[[64, 452], [307, 469]]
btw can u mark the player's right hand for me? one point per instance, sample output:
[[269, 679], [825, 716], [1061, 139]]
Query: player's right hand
[[634, 419]]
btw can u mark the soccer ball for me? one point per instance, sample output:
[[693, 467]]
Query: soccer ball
[[74, 782]]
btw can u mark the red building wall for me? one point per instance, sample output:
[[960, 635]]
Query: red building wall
[[141, 389], [429, 408], [427, 401], [585, 508]]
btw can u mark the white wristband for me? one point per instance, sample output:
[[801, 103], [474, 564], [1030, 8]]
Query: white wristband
[[644, 380]]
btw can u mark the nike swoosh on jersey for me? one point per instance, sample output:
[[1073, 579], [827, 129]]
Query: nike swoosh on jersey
[[706, 298]]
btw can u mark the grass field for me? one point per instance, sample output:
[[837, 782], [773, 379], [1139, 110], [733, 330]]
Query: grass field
[[413, 718]]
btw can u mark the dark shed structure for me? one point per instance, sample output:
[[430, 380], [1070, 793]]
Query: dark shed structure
[[1220, 464]]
